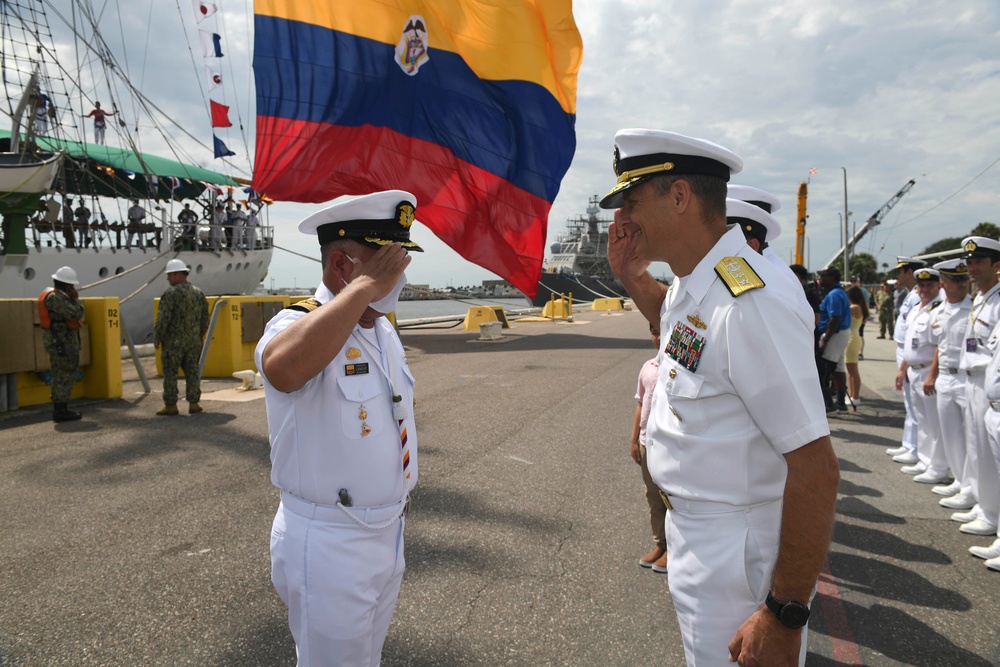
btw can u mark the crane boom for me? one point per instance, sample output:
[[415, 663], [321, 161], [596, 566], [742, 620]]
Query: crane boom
[[800, 225], [875, 219]]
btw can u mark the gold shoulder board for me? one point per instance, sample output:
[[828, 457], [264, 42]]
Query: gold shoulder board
[[738, 275], [306, 305]]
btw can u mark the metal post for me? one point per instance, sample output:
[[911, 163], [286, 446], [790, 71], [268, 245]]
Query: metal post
[[135, 357], [847, 250], [211, 330]]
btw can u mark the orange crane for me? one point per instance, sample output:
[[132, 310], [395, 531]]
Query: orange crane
[[800, 226]]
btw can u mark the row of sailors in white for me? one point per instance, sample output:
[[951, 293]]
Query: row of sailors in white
[[947, 355], [244, 227]]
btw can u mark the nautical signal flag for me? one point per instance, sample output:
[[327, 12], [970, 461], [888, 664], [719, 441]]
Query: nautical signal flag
[[214, 78], [813, 170], [468, 104], [221, 150], [220, 114], [211, 44], [203, 9]]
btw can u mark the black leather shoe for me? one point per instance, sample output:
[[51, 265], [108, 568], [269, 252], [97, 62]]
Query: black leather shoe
[[61, 413]]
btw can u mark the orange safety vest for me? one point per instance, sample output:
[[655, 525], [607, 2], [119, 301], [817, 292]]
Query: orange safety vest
[[43, 313]]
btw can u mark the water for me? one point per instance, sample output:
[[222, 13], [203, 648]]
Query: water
[[411, 310]]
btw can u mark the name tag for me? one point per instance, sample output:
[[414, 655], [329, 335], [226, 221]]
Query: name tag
[[914, 344], [970, 344], [356, 369]]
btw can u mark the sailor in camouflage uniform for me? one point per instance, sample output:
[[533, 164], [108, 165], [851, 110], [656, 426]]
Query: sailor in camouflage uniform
[[61, 314], [180, 328]]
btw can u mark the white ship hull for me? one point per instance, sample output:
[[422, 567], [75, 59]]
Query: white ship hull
[[133, 275]]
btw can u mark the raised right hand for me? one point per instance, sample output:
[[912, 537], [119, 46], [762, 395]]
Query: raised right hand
[[381, 271], [625, 263]]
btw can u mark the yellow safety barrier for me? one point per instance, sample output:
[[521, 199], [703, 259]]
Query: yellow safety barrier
[[615, 303], [501, 316], [478, 315], [561, 308], [100, 350], [239, 325]]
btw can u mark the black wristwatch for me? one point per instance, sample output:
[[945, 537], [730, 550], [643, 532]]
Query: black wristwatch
[[792, 614]]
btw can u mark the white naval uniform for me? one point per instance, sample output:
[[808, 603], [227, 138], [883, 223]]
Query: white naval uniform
[[948, 330], [918, 353], [899, 335], [338, 568], [716, 437], [798, 294], [992, 418], [977, 352]]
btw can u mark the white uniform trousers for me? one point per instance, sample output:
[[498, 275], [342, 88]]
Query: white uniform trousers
[[929, 447], [340, 580], [992, 421], [985, 482], [909, 424], [951, 403], [721, 562]]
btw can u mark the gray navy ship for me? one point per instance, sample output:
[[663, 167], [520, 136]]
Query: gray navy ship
[[578, 261]]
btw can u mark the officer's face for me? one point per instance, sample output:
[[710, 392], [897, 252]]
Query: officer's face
[[928, 289], [980, 268], [649, 223], [955, 290]]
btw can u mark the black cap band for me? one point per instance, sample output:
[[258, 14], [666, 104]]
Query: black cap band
[[682, 164], [359, 229], [759, 204], [751, 228]]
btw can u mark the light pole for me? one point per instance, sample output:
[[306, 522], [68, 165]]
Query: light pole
[[846, 240]]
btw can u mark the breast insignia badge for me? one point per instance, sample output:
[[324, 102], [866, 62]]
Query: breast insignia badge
[[353, 353], [738, 276], [697, 321]]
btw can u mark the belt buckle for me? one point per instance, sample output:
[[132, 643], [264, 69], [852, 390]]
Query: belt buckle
[[666, 500]]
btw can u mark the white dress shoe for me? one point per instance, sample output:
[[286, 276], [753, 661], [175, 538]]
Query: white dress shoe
[[966, 517], [979, 527], [929, 477], [949, 490], [896, 451], [915, 469], [906, 458], [993, 564], [986, 553], [959, 501]]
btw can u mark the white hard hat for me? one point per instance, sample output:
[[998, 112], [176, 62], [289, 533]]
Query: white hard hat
[[66, 275], [176, 265]]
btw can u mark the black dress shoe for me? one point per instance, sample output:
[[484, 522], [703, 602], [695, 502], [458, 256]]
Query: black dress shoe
[[61, 413]]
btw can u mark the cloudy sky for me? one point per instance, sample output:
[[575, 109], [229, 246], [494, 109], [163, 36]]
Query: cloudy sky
[[888, 91]]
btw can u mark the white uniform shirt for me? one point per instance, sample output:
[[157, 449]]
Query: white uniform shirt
[[797, 294], [948, 331], [919, 347], [977, 349], [993, 369], [317, 446], [744, 392], [911, 301]]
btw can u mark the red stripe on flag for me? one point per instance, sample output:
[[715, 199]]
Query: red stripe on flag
[[481, 216]]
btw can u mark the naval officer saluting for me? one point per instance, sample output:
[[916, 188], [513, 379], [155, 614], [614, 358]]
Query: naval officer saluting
[[737, 437], [343, 445]]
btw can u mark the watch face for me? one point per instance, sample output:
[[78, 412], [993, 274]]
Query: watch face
[[794, 615]]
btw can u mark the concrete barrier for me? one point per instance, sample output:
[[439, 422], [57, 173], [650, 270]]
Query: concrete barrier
[[489, 331], [478, 315]]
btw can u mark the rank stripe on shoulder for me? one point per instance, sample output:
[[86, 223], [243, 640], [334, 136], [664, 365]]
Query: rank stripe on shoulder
[[738, 276], [305, 306]]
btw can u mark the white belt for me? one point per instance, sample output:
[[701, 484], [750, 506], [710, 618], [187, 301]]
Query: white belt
[[369, 517], [705, 506]]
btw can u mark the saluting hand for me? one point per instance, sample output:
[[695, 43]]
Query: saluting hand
[[625, 263], [382, 270]]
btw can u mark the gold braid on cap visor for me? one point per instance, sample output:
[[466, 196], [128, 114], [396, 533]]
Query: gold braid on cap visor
[[626, 176]]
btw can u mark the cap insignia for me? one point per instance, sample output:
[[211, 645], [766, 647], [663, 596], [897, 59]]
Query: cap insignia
[[614, 163], [404, 214], [970, 246]]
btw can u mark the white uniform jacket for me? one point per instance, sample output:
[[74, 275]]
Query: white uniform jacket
[[318, 439], [737, 386], [918, 351], [977, 349]]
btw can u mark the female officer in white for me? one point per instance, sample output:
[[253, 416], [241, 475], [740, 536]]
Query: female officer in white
[[343, 444]]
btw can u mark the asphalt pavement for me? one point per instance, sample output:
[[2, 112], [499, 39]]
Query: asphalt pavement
[[131, 539]]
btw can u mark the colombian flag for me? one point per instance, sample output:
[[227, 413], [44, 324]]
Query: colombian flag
[[469, 104]]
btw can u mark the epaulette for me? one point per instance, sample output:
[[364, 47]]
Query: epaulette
[[305, 306], [738, 276], [935, 305]]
